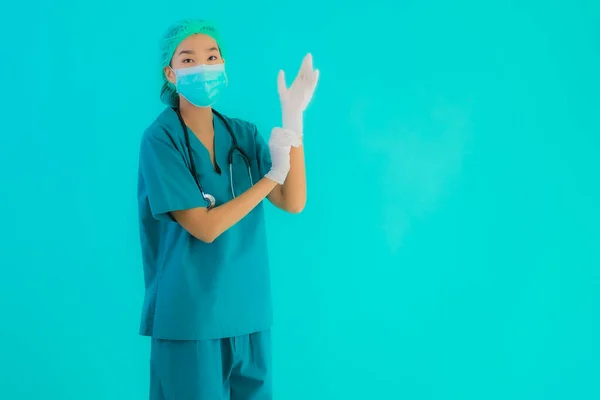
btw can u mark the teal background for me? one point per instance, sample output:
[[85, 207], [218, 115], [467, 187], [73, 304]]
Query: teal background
[[450, 246]]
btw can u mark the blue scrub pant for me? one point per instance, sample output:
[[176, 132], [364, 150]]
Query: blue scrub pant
[[237, 368]]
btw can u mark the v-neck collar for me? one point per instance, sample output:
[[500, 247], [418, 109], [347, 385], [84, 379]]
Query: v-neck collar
[[214, 167]]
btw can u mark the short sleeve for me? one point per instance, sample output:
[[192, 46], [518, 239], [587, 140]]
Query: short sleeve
[[263, 154], [169, 183]]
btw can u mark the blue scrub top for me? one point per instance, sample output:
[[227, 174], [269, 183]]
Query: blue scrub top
[[197, 290]]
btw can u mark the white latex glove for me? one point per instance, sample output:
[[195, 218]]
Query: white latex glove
[[280, 145], [295, 99]]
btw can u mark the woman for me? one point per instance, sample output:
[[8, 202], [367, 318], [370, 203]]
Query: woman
[[202, 179]]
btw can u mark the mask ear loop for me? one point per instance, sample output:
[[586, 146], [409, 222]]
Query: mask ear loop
[[174, 73]]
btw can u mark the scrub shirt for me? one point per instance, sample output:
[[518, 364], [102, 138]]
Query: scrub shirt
[[195, 290]]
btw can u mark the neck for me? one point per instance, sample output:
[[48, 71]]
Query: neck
[[199, 119]]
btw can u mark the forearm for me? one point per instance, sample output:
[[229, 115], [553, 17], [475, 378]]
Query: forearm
[[225, 216], [207, 225], [293, 191]]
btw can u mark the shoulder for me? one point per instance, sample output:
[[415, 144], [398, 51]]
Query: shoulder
[[165, 128], [243, 130]]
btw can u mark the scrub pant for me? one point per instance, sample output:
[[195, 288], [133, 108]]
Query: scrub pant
[[237, 368]]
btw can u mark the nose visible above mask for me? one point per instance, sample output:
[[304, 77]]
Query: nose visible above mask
[[201, 85]]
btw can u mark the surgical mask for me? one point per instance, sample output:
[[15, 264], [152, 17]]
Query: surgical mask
[[201, 85]]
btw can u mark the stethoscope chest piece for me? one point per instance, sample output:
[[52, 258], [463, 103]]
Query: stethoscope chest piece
[[210, 199]]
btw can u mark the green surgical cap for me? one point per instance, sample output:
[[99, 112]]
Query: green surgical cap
[[176, 34]]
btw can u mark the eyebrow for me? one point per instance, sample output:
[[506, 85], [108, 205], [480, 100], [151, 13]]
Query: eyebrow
[[192, 52]]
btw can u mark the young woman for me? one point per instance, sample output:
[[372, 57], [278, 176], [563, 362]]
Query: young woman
[[202, 178]]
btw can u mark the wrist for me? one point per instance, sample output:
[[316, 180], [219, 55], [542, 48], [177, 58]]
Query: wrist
[[293, 121], [277, 175], [270, 182]]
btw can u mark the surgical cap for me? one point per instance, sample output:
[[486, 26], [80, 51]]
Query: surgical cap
[[176, 34]]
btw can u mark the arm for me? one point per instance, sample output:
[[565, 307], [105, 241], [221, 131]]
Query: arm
[[291, 196], [206, 225], [174, 196]]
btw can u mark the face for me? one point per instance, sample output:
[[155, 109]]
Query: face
[[193, 51]]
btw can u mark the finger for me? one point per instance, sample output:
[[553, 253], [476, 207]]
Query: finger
[[309, 62], [290, 139], [281, 87], [296, 142], [315, 79], [282, 137], [307, 65]]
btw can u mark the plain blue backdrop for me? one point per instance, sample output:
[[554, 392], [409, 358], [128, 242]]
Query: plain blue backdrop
[[450, 248]]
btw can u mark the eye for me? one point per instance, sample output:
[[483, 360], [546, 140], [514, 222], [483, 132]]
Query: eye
[[187, 61], [213, 58]]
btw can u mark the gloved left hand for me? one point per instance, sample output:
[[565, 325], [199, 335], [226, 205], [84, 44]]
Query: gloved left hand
[[295, 99], [280, 145]]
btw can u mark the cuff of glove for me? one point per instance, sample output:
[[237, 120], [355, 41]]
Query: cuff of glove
[[293, 122], [276, 176]]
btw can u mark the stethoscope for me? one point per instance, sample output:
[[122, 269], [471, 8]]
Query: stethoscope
[[210, 199]]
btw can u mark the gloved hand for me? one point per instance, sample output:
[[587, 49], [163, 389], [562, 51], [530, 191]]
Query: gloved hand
[[295, 99], [280, 145]]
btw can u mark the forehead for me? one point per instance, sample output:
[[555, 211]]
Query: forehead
[[196, 43]]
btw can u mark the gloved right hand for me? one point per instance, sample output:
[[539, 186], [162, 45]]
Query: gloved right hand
[[280, 145], [295, 99]]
